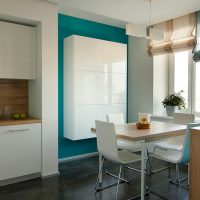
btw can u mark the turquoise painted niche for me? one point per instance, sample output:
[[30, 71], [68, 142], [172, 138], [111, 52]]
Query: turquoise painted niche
[[67, 26]]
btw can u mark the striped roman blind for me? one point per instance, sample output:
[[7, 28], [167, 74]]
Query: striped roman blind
[[196, 50], [178, 35]]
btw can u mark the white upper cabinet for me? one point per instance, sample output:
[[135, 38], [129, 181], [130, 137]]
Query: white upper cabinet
[[85, 117], [94, 83], [87, 87], [114, 88], [114, 57], [17, 51], [88, 54]]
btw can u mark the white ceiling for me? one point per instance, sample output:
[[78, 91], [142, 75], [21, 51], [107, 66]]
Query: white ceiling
[[119, 12]]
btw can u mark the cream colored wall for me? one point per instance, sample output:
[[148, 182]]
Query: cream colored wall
[[44, 102], [140, 78]]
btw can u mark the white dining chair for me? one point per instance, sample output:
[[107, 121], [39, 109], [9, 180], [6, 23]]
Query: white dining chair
[[177, 157], [107, 147], [175, 143], [118, 118], [171, 144]]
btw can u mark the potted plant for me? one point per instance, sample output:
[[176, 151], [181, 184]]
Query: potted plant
[[173, 101]]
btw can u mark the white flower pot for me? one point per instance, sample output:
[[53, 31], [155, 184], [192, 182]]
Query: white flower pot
[[171, 110]]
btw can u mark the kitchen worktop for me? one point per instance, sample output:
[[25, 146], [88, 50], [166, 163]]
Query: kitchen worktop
[[29, 120]]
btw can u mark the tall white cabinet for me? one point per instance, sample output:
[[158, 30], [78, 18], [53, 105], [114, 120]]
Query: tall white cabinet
[[95, 83]]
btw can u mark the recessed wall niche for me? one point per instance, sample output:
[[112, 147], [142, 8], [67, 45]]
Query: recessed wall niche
[[14, 96]]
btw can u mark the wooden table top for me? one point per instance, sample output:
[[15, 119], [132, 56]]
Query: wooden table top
[[158, 130]]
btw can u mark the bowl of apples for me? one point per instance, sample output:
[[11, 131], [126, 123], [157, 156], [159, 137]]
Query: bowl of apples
[[19, 116], [144, 121]]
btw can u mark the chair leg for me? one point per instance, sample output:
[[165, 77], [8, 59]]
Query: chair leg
[[149, 163], [115, 176], [124, 172], [169, 174], [120, 169], [178, 179], [99, 174]]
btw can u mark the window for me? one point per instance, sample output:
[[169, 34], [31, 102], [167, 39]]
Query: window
[[182, 70], [197, 88], [174, 72]]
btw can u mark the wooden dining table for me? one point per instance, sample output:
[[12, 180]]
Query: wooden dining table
[[157, 131]]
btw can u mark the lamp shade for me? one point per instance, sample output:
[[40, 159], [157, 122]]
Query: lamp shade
[[155, 34], [135, 30]]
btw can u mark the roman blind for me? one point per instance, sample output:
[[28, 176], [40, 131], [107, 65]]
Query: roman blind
[[178, 35], [196, 50]]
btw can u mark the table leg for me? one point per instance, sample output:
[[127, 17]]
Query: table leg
[[142, 170], [100, 171], [188, 174]]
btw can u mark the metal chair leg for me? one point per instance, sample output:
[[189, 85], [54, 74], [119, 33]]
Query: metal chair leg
[[169, 173], [124, 172], [100, 171], [150, 171], [133, 169], [179, 182], [120, 169], [149, 163], [115, 176]]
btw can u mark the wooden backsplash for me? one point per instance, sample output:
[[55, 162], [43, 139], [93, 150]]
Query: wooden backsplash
[[14, 93]]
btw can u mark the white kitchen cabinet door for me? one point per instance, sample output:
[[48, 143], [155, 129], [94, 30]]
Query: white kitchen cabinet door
[[115, 108], [20, 150], [114, 88], [88, 88], [85, 117], [88, 53], [114, 57], [17, 51]]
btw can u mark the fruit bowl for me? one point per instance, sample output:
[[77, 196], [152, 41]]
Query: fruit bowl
[[141, 125]]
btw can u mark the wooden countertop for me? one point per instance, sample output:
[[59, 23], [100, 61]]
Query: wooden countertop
[[30, 120]]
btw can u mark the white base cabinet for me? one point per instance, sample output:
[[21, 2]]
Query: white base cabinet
[[20, 150], [95, 83]]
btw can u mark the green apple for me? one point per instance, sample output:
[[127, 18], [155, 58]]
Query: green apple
[[22, 115], [16, 116]]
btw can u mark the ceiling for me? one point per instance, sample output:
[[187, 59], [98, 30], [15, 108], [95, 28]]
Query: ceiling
[[119, 12]]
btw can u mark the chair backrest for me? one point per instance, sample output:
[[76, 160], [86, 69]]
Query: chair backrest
[[106, 140], [186, 148], [183, 118], [116, 118]]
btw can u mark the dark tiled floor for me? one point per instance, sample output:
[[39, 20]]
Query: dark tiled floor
[[77, 180]]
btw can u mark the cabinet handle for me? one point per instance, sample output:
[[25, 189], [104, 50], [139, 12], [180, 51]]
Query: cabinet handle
[[18, 130]]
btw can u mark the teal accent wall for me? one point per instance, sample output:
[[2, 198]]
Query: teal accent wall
[[67, 26]]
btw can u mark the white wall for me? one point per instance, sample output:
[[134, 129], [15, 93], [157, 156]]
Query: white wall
[[160, 83], [44, 15], [140, 78]]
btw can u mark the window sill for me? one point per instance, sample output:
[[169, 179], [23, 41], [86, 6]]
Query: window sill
[[168, 119], [163, 118]]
